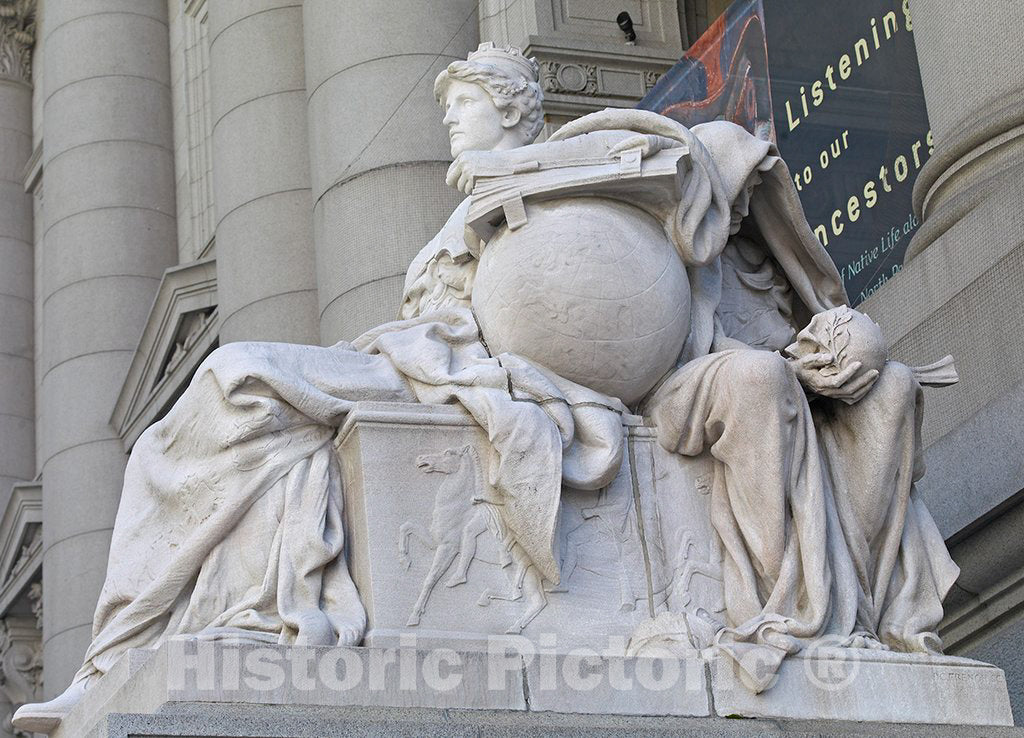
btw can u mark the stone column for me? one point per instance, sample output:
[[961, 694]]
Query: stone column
[[960, 293], [266, 280], [378, 150], [108, 234], [17, 383], [959, 290], [974, 91]]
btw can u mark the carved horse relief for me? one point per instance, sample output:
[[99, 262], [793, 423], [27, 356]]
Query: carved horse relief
[[462, 511], [526, 580]]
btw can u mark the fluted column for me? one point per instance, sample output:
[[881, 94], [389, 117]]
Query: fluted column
[[266, 281], [377, 147], [108, 234], [17, 383]]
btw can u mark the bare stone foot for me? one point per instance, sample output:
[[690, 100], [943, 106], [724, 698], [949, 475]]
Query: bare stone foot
[[350, 634], [351, 620], [314, 629]]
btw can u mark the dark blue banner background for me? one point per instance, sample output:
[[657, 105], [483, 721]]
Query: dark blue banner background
[[837, 85]]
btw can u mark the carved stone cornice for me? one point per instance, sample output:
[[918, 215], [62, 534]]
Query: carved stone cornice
[[569, 78], [17, 36]]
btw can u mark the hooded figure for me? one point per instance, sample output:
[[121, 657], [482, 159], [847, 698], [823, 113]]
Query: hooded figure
[[816, 441]]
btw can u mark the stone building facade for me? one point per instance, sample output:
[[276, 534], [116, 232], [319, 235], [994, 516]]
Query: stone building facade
[[179, 174]]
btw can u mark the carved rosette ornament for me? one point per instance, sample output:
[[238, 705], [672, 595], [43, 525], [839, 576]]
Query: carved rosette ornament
[[17, 35], [576, 79]]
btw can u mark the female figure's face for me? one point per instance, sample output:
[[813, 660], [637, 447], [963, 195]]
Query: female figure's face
[[474, 122]]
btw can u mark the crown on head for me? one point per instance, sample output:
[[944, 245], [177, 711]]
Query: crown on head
[[505, 57]]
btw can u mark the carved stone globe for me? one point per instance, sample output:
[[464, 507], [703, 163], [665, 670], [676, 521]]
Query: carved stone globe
[[590, 288]]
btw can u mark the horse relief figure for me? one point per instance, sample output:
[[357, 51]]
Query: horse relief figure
[[462, 512], [527, 582], [687, 563], [460, 515]]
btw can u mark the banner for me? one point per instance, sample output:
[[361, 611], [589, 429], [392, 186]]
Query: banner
[[837, 86]]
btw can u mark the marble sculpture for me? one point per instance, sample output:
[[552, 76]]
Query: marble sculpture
[[626, 265]]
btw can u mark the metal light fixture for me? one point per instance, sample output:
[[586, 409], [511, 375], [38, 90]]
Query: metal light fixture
[[626, 24]]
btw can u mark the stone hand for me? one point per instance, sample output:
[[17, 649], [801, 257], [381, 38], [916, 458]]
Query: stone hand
[[465, 169], [839, 354], [849, 384]]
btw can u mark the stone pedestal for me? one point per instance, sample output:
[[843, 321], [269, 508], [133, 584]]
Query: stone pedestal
[[456, 648], [424, 538], [202, 688]]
